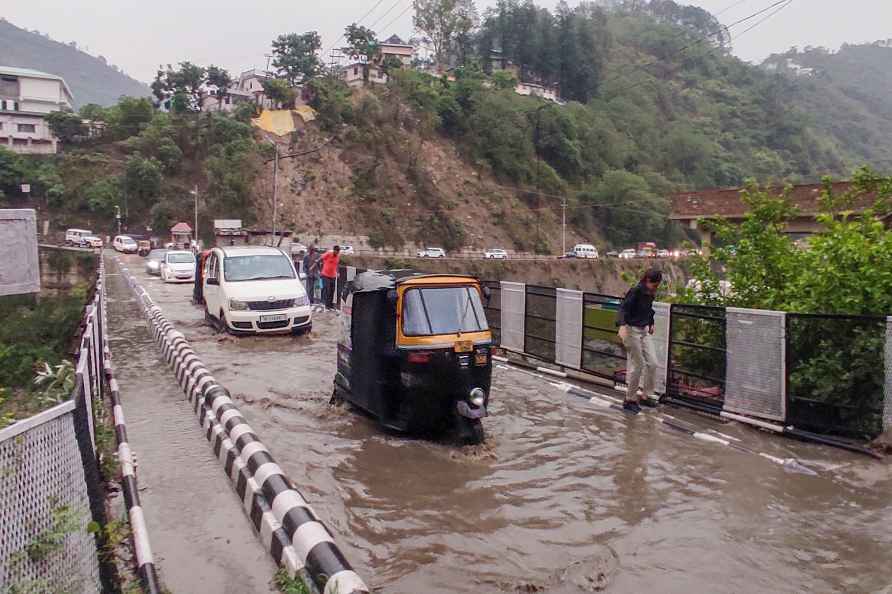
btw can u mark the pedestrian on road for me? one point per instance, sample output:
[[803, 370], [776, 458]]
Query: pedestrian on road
[[636, 326], [329, 262], [311, 272]]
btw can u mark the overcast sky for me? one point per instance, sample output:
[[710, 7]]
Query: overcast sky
[[137, 36]]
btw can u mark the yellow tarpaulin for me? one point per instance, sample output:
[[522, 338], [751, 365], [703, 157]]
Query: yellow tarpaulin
[[281, 121]]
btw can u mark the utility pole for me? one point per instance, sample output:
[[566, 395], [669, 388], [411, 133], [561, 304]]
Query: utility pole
[[275, 186], [538, 173], [563, 225], [118, 217]]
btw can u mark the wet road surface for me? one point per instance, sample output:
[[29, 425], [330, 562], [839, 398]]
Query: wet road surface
[[200, 538], [565, 497]]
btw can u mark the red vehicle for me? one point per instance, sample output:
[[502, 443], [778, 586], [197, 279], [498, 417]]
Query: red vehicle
[[647, 249]]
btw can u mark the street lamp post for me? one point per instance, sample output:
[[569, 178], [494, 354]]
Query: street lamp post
[[118, 217], [195, 200]]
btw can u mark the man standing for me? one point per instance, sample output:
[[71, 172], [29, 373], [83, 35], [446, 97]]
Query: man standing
[[636, 325], [330, 261], [311, 272]]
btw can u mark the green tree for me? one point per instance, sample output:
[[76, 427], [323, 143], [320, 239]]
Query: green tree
[[278, 91], [504, 80], [440, 20], [182, 85], [220, 79], [11, 172], [130, 116], [94, 113], [103, 195], [625, 207], [142, 180], [362, 44], [66, 126], [296, 57]]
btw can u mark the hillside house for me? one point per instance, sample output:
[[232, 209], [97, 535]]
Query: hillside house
[[526, 85], [247, 88], [352, 74], [26, 97], [393, 47]]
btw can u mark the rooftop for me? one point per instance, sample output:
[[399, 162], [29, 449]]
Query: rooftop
[[726, 202], [181, 228], [30, 73]]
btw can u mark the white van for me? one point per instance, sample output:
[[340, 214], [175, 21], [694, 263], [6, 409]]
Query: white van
[[177, 267], [585, 250], [125, 244], [75, 236], [255, 289]]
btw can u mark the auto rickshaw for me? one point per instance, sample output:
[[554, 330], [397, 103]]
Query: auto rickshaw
[[414, 352]]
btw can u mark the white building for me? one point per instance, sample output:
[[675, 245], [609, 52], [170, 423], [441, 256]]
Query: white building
[[26, 96], [248, 88]]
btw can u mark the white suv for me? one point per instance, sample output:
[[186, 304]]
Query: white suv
[[495, 254], [255, 289], [432, 252], [125, 244], [585, 250]]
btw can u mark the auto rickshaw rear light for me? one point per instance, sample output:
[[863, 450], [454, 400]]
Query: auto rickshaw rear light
[[481, 357], [419, 357]]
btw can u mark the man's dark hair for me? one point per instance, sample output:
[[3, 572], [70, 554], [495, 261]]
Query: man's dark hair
[[337, 248], [653, 275]]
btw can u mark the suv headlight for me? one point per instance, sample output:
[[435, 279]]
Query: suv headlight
[[236, 305], [301, 301]]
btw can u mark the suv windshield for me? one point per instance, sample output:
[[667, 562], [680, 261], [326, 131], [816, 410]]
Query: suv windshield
[[447, 310], [157, 254], [180, 258], [247, 268]]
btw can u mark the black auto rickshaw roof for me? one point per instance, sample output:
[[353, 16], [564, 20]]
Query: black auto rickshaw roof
[[383, 280]]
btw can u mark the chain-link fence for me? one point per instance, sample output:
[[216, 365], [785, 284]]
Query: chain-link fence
[[836, 373], [50, 486]]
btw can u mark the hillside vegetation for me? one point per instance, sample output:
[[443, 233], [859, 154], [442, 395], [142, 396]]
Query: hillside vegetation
[[92, 79], [656, 105]]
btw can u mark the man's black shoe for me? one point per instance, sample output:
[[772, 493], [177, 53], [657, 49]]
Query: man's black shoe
[[631, 407], [648, 403]]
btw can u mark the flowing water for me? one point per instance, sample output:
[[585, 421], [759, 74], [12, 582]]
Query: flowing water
[[564, 497]]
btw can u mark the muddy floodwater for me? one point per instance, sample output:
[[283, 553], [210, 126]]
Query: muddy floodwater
[[564, 497]]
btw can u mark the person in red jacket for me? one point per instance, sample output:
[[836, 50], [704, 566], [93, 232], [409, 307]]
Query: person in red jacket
[[329, 262]]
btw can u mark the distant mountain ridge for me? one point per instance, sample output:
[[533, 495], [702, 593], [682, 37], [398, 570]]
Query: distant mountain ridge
[[91, 79]]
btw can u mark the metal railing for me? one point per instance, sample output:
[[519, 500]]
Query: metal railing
[[697, 354]]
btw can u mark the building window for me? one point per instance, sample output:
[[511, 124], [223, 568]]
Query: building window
[[355, 71], [16, 106], [3, 104], [226, 100], [27, 128]]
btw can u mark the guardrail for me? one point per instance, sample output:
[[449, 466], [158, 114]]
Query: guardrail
[[830, 374]]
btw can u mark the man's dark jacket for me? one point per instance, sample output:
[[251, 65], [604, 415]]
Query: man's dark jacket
[[637, 308]]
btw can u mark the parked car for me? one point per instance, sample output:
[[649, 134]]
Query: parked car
[[612, 254], [585, 250], [252, 289], [178, 266], [627, 254], [297, 248], [124, 244], [347, 250], [495, 254], [646, 253], [432, 252], [153, 262], [91, 241], [75, 236], [664, 254]]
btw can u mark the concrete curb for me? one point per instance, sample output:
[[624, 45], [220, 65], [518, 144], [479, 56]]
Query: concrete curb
[[144, 560], [285, 523]]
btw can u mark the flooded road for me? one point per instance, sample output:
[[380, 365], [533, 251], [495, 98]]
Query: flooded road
[[564, 497], [200, 539]]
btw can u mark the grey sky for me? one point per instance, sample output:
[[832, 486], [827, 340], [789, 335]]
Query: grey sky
[[137, 36]]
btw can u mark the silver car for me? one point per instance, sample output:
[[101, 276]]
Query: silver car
[[153, 262]]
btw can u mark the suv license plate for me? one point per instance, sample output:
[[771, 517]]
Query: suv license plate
[[273, 318]]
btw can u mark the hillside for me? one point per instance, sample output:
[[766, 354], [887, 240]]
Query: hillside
[[92, 79], [658, 105], [848, 96]]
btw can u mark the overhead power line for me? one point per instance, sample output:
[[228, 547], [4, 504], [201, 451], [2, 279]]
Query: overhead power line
[[699, 41], [777, 6]]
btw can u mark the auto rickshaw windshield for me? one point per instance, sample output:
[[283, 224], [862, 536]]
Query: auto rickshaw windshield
[[442, 310]]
